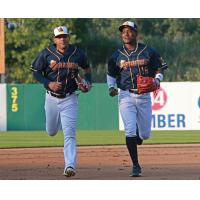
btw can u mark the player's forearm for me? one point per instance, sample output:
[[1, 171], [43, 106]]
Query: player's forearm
[[88, 75], [160, 72], [40, 78], [159, 76], [111, 82]]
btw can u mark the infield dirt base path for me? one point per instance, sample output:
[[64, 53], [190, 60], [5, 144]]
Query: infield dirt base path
[[159, 162]]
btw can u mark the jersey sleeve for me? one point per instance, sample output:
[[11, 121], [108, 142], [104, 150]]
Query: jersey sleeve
[[157, 62], [112, 69], [38, 66], [83, 63], [39, 63]]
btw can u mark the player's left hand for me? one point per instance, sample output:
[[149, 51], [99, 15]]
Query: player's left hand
[[84, 86], [113, 91], [147, 84]]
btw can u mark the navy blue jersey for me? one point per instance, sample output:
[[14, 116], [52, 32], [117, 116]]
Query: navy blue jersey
[[143, 61], [52, 66]]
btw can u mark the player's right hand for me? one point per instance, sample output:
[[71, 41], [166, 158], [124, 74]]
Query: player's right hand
[[55, 86], [113, 91]]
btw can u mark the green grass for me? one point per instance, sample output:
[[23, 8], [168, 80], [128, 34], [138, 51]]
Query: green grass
[[12, 139]]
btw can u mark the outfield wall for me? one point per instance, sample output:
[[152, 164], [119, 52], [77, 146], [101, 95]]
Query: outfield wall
[[176, 107], [25, 108]]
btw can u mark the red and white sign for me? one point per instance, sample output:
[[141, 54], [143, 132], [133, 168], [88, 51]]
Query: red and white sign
[[159, 99]]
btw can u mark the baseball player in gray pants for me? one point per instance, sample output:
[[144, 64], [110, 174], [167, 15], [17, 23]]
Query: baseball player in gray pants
[[124, 67], [57, 68]]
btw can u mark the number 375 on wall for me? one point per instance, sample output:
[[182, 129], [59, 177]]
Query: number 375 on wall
[[14, 97]]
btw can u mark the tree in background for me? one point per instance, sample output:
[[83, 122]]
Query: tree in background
[[177, 40]]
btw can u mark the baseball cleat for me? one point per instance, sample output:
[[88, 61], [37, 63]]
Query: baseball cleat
[[69, 171], [136, 172]]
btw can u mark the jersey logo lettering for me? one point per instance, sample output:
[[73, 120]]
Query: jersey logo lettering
[[54, 65], [134, 63]]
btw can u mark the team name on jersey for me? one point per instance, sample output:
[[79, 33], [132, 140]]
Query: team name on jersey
[[54, 65], [133, 63]]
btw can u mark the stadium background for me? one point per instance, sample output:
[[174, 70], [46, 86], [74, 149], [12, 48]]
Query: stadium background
[[185, 189], [177, 40]]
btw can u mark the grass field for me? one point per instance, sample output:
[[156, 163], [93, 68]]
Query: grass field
[[12, 139]]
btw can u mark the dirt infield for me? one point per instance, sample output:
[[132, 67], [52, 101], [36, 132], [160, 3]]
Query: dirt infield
[[159, 162]]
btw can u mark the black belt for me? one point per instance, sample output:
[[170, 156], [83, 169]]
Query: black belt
[[135, 91], [59, 96]]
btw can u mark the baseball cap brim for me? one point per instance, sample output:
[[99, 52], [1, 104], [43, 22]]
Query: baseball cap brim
[[60, 34]]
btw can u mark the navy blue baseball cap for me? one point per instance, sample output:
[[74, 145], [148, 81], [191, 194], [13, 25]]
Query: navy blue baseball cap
[[132, 25]]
